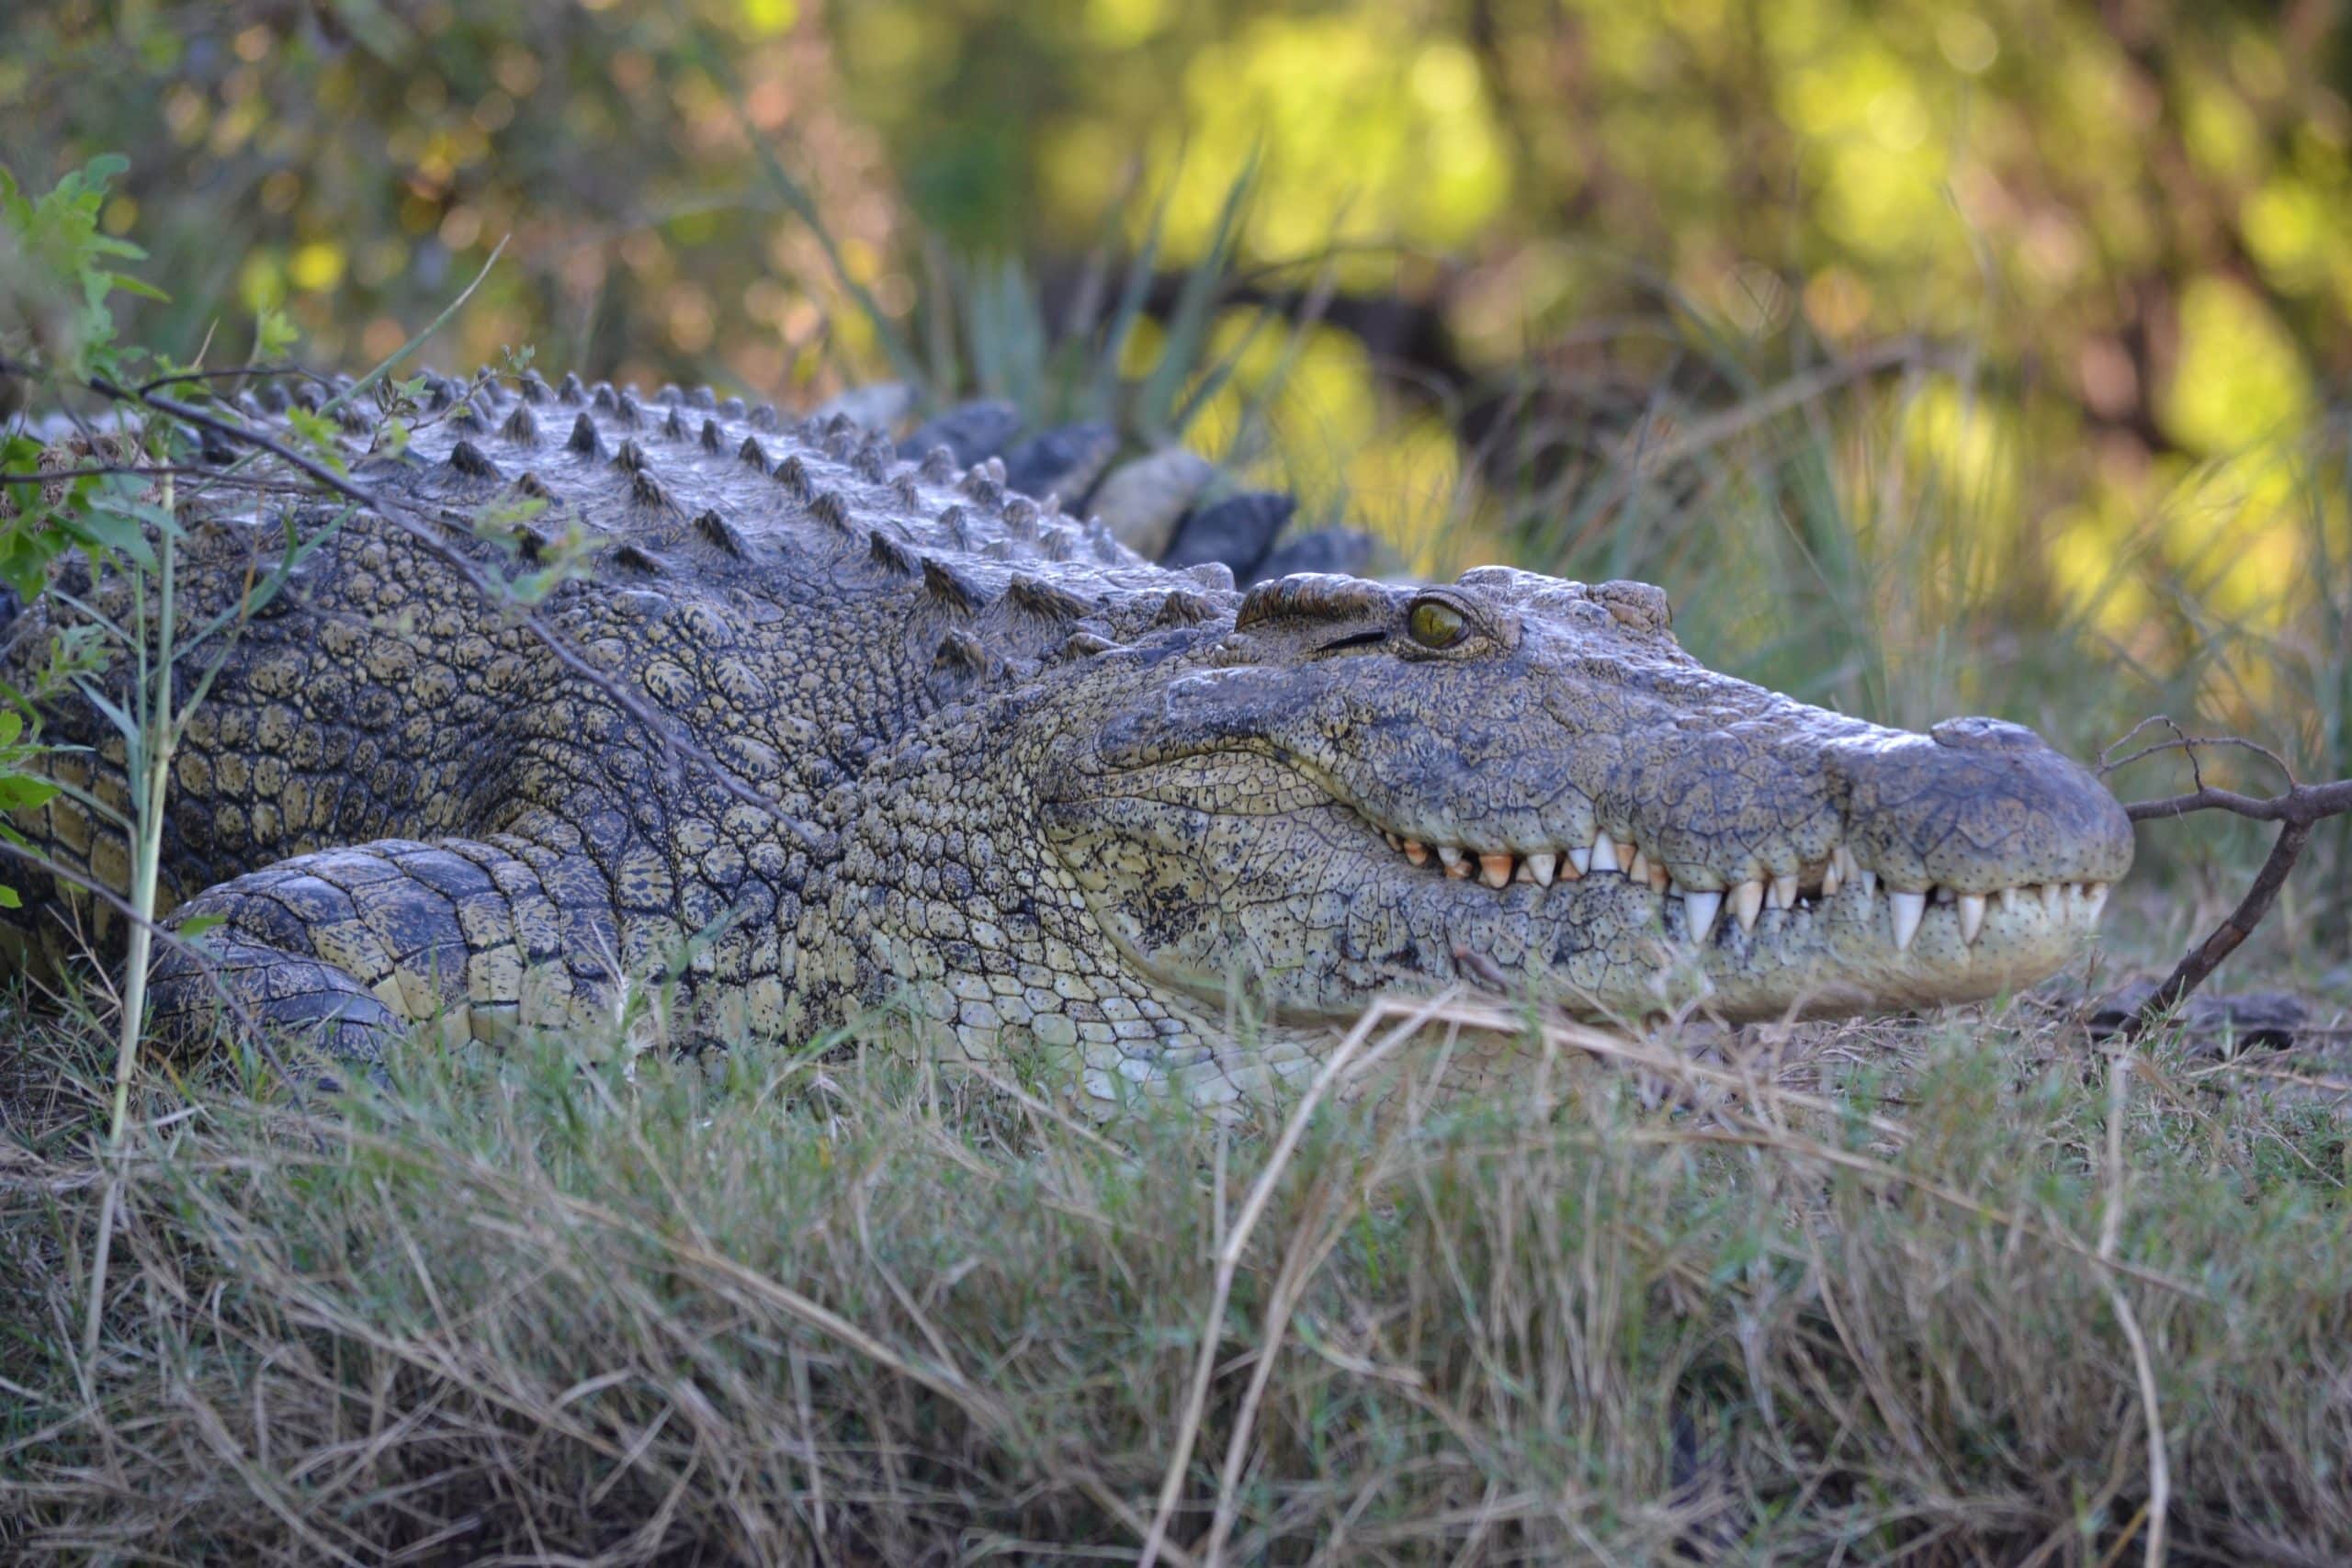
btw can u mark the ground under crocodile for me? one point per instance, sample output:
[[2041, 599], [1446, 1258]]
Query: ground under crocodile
[[966, 761]]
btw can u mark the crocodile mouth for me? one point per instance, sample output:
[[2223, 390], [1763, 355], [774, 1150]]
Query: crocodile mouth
[[1703, 915], [1235, 861]]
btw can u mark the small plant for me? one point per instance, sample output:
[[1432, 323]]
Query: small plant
[[112, 501], [101, 478]]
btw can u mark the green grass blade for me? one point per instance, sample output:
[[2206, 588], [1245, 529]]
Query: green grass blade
[[1188, 324], [1133, 292]]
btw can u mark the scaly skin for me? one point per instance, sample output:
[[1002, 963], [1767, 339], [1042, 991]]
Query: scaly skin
[[1040, 801]]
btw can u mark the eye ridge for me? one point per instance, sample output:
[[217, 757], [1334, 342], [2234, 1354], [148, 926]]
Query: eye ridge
[[1434, 624]]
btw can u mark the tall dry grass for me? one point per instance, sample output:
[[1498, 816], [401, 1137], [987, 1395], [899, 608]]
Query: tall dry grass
[[1877, 1292]]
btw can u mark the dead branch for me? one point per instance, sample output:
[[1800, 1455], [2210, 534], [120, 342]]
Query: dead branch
[[2297, 809]]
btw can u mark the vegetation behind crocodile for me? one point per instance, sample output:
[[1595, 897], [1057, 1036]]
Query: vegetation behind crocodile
[[973, 761]]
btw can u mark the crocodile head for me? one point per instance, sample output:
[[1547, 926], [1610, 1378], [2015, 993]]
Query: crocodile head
[[1526, 781]]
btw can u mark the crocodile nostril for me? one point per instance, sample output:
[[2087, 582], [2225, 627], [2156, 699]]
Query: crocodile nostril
[[1980, 734]]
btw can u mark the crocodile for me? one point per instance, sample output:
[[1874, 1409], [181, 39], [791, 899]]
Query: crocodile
[[813, 732]]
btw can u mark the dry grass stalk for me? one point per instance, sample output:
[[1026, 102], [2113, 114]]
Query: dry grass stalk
[[535, 1305]]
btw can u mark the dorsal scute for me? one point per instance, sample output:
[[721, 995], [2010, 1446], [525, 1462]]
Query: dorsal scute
[[695, 488]]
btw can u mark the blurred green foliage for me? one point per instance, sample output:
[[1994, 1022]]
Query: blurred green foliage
[[2000, 320], [2139, 206], [356, 162]]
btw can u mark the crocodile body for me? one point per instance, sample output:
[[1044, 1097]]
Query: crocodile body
[[956, 758]]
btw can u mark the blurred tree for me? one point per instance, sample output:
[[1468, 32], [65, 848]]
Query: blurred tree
[[2140, 207], [1523, 225], [358, 160]]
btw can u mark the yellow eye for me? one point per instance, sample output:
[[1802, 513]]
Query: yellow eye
[[1435, 624]]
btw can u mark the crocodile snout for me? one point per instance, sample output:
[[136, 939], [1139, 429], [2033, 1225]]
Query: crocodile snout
[[1976, 805]]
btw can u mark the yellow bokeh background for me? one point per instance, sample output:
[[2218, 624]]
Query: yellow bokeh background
[[1954, 325]]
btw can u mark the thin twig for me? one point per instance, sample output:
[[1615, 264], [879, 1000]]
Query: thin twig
[[2185, 742], [229, 372], [673, 741], [129, 470], [2297, 808], [2199, 963]]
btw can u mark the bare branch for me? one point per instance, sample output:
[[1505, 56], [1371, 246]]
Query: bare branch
[[2183, 741], [2201, 961], [230, 372], [2297, 809], [2305, 803], [132, 470]]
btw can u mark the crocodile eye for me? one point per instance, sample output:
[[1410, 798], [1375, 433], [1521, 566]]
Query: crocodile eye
[[1435, 624]]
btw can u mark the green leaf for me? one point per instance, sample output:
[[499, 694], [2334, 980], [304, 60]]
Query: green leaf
[[10, 898], [22, 791], [138, 287], [318, 433], [274, 334]]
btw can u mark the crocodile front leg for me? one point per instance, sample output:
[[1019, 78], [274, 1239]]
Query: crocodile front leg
[[352, 947]]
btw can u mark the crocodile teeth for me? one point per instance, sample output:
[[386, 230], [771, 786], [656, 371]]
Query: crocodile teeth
[[1971, 916], [1702, 909], [1699, 912], [1909, 908]]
